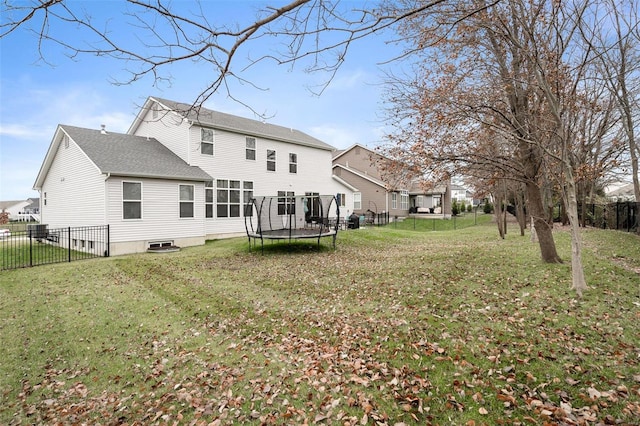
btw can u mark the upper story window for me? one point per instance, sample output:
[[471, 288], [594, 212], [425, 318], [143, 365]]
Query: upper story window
[[293, 163], [271, 160], [206, 141], [250, 151], [186, 200], [132, 200]]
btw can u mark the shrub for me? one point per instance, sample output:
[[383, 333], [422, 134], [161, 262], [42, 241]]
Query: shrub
[[488, 208], [455, 209]]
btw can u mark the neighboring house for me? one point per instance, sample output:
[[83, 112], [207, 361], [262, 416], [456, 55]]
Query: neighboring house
[[429, 198], [461, 195], [360, 167], [622, 193], [31, 212], [177, 176], [13, 208]]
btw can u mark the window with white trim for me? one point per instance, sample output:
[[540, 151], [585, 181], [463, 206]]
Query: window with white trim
[[250, 150], [394, 200], [342, 199], [286, 203], [247, 195], [227, 198], [357, 200], [132, 200], [293, 163], [208, 199], [404, 200], [271, 160], [186, 200], [206, 141]]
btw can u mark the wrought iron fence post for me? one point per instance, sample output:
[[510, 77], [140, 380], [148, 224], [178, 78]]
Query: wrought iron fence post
[[30, 249], [69, 242]]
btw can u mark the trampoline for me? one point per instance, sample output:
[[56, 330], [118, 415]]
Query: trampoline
[[292, 217]]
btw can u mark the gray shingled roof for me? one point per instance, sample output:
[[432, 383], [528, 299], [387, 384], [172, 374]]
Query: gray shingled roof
[[127, 155], [209, 118]]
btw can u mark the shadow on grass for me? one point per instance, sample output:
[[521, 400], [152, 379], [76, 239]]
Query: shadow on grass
[[293, 247]]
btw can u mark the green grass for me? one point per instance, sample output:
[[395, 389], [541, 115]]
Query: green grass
[[426, 223], [16, 254], [393, 326]]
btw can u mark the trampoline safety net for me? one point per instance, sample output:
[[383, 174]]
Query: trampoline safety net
[[292, 217]]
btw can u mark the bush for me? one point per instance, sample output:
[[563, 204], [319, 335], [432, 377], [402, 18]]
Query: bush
[[455, 209], [488, 208], [469, 208]]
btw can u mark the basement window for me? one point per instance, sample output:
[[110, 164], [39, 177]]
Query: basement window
[[160, 244]]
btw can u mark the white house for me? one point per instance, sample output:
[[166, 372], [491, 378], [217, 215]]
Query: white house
[[13, 208], [178, 176]]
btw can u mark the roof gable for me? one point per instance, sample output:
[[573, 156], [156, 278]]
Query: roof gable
[[124, 155], [232, 123]]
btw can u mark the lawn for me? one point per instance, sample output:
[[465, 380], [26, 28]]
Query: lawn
[[393, 327]]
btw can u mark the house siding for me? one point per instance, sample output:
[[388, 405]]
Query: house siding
[[374, 197], [229, 163], [169, 129], [160, 213], [72, 179], [361, 159]]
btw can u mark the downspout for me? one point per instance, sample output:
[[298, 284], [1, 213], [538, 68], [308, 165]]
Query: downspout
[[106, 200], [190, 125]]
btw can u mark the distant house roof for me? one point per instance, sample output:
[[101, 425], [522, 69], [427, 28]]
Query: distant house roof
[[6, 205], [361, 174], [246, 126], [624, 192], [125, 155]]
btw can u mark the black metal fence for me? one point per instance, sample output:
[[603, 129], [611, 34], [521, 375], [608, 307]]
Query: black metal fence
[[623, 216], [376, 219], [39, 245]]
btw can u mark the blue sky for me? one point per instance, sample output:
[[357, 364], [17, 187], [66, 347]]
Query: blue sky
[[35, 96]]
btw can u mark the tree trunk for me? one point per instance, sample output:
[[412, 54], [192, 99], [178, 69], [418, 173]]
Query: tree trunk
[[497, 210], [520, 214], [544, 231], [577, 271]]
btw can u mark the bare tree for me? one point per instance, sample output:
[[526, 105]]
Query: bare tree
[[315, 34], [615, 37]]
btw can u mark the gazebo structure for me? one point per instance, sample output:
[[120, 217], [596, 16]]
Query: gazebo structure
[[292, 218]]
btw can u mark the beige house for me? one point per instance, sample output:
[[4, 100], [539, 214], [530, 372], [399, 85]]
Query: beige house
[[379, 193]]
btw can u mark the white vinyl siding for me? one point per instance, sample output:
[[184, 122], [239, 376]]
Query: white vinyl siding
[[314, 172], [71, 179], [161, 216], [170, 130]]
